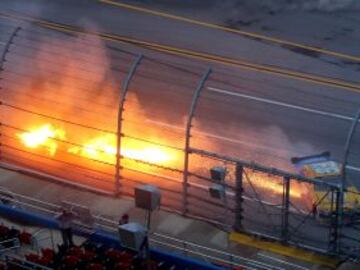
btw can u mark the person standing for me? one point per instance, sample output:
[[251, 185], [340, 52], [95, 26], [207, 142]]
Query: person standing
[[65, 219], [124, 219]]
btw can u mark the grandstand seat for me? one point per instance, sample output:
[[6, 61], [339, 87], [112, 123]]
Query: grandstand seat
[[34, 258], [45, 261], [25, 238], [71, 261], [88, 255], [48, 253], [75, 251]]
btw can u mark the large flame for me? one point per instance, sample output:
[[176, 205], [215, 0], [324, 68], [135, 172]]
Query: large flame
[[103, 148], [43, 136]]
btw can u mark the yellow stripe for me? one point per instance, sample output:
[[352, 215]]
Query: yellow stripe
[[291, 252], [227, 29], [201, 56]]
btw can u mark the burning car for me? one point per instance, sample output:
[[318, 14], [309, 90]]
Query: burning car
[[322, 166]]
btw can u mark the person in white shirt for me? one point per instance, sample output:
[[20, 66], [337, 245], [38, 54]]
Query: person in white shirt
[[65, 219]]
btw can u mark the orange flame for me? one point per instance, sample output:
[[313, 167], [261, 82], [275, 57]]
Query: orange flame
[[274, 185], [43, 136], [104, 149], [101, 148]]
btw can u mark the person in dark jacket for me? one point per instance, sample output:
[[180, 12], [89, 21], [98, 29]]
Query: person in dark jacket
[[124, 219]]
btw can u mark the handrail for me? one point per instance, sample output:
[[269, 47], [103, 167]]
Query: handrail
[[208, 256], [25, 264], [15, 246], [227, 254]]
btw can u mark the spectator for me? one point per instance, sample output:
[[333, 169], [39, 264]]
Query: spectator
[[314, 210], [124, 219], [65, 219]]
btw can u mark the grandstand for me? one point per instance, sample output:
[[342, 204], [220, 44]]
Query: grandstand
[[95, 247]]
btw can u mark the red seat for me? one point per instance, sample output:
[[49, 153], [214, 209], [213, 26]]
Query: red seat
[[88, 255], [32, 258], [119, 266], [45, 261], [25, 238], [71, 260], [76, 251], [113, 254], [48, 253], [126, 256]]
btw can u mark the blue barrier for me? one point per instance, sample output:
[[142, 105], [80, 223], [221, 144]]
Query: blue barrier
[[23, 216]]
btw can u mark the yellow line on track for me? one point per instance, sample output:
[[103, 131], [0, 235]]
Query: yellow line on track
[[231, 30], [288, 251], [197, 55]]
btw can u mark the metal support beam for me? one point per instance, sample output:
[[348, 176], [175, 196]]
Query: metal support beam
[[124, 91], [347, 147], [285, 210], [238, 197], [188, 135], [335, 223], [341, 199], [2, 62]]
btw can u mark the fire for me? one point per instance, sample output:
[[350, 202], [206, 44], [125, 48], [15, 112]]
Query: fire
[[101, 148], [43, 136], [274, 185], [104, 149]]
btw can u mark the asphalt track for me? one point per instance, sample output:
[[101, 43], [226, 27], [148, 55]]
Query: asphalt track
[[138, 8]]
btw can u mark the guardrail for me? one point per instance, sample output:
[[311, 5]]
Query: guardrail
[[24, 264]]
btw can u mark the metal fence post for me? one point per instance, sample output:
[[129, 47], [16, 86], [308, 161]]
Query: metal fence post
[[347, 146], [285, 210], [2, 62], [187, 137], [340, 208], [7, 46], [336, 223], [124, 91], [239, 170]]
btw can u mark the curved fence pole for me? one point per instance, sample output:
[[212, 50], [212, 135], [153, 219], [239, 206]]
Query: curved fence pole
[[7, 46], [188, 135], [124, 91], [340, 212], [347, 147], [2, 61]]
